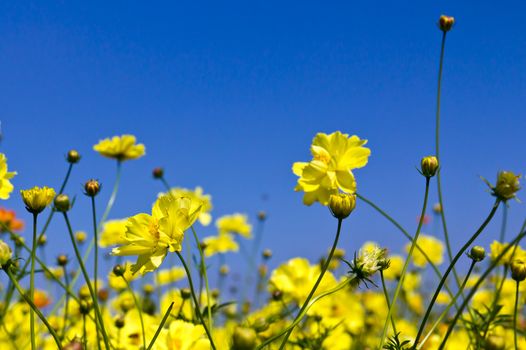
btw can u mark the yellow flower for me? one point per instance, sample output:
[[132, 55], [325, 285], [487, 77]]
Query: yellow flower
[[197, 195], [334, 156], [187, 336], [433, 247], [222, 243], [172, 275], [150, 237], [394, 270], [496, 248], [37, 199], [5, 185], [120, 148], [235, 223], [113, 233]]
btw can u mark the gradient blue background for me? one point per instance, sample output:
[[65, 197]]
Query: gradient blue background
[[228, 95]]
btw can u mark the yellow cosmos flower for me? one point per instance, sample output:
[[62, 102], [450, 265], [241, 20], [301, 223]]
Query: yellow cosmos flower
[[172, 275], [187, 336], [37, 199], [150, 237], [235, 223], [120, 148], [198, 195], [113, 233], [333, 158], [496, 248], [220, 244], [394, 270], [433, 247], [5, 185]]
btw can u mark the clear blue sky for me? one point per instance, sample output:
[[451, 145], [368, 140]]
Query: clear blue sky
[[227, 95]]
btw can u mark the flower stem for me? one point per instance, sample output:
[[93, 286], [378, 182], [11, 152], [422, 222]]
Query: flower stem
[[32, 282], [196, 302], [34, 308], [406, 265], [474, 289], [318, 281], [205, 276], [99, 321], [515, 311], [450, 268], [66, 304], [387, 299], [161, 325], [444, 313], [96, 252], [84, 333], [139, 309]]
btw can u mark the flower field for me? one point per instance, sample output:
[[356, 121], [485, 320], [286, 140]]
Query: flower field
[[154, 281]]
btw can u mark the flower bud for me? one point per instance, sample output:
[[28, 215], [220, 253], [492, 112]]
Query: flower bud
[[518, 270], [277, 295], [148, 289], [215, 293], [267, 254], [445, 23], [103, 294], [429, 166], [341, 205], [62, 260], [244, 339], [37, 199], [119, 322], [42, 240], [507, 185], [62, 203], [262, 216], [262, 270], [260, 324], [186, 293], [477, 253], [91, 188], [73, 156], [5, 253], [437, 208], [118, 270], [84, 307], [80, 236], [224, 270], [158, 173]]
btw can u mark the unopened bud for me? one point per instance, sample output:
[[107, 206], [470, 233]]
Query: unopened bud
[[518, 270], [62, 260], [91, 188], [62, 203], [445, 23], [341, 205], [186, 293], [158, 173], [244, 339], [477, 253], [118, 270], [429, 166], [73, 156], [267, 254]]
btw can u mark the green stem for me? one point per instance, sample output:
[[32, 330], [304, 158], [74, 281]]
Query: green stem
[[452, 264], [406, 265], [205, 276], [504, 222], [515, 315], [32, 282], [96, 252], [34, 308], [318, 281], [84, 333], [387, 299], [66, 304], [446, 310], [196, 302], [161, 325], [337, 288], [139, 309], [98, 314], [474, 289]]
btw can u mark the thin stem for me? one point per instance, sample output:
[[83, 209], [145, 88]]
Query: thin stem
[[205, 276], [66, 304], [387, 299], [88, 282], [406, 265], [161, 325], [32, 282], [34, 308], [139, 309], [196, 302], [437, 153], [318, 281], [504, 222], [84, 333], [452, 264], [96, 252], [473, 290], [446, 310], [515, 315]]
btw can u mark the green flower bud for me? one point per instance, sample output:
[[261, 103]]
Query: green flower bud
[[518, 270], [186, 293], [244, 339], [429, 166], [62, 203], [507, 185], [118, 270], [73, 156], [445, 23], [341, 205], [477, 253], [5, 253]]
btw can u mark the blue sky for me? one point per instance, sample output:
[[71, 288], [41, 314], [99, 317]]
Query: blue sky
[[227, 95]]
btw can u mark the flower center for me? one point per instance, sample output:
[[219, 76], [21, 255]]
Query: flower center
[[154, 229]]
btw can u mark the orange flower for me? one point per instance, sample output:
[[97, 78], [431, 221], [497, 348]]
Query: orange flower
[[8, 221], [41, 299]]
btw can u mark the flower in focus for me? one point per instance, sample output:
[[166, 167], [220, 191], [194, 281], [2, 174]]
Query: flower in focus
[[220, 244], [6, 187], [37, 199], [9, 222], [330, 170], [113, 233], [235, 223], [433, 247], [120, 147], [368, 262], [150, 237], [197, 195]]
